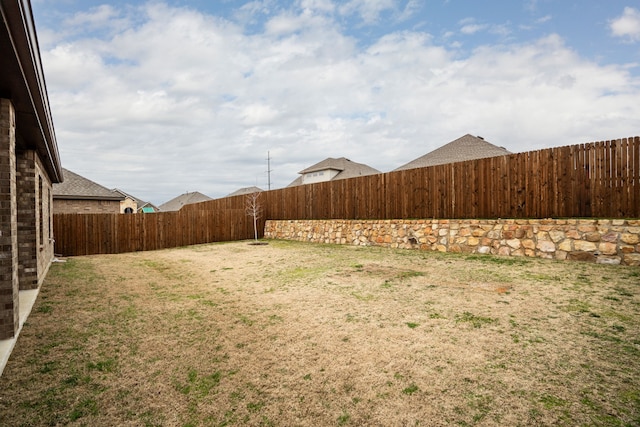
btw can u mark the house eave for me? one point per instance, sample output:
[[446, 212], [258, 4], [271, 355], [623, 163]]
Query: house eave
[[22, 81], [312, 170]]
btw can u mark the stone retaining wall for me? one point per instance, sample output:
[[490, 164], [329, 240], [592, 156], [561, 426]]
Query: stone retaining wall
[[606, 241]]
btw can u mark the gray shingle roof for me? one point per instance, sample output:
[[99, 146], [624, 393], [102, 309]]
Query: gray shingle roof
[[75, 186], [467, 147], [245, 190], [177, 203], [345, 167]]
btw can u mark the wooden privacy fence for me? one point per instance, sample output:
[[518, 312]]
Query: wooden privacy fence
[[600, 179], [88, 234], [588, 180]]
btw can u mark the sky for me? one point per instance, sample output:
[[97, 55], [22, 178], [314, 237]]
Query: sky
[[160, 98]]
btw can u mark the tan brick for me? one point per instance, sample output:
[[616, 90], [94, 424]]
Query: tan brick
[[566, 245], [631, 259], [514, 243], [561, 255], [607, 248], [592, 237], [543, 235], [546, 246], [610, 237], [584, 246], [504, 251], [556, 235], [573, 234], [628, 249], [630, 239]]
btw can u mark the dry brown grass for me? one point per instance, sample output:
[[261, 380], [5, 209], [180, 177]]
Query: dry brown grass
[[293, 334]]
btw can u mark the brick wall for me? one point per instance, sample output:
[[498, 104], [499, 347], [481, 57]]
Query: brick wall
[[35, 234], [26, 247], [86, 206], [9, 302], [27, 196], [598, 240], [46, 239]]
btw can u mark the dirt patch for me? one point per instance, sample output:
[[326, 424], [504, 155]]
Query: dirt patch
[[300, 334]]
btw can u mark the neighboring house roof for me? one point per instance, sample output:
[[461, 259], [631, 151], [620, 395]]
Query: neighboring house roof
[[22, 80], [467, 147], [147, 207], [296, 182], [141, 203], [345, 168], [77, 187], [177, 203], [245, 190]]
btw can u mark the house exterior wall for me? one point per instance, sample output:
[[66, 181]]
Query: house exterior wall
[[128, 203], [85, 206], [319, 176], [9, 284], [35, 231], [26, 244], [46, 239], [28, 215]]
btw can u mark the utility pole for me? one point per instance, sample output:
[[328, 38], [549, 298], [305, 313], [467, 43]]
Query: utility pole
[[268, 171]]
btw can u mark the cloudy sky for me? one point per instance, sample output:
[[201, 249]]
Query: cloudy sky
[[163, 97]]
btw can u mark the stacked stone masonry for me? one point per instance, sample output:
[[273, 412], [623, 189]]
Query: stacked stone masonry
[[605, 241]]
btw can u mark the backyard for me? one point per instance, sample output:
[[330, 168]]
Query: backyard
[[294, 334]]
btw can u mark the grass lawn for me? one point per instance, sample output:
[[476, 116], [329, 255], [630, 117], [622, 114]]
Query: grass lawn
[[294, 334]]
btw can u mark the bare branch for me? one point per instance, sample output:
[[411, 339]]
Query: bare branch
[[253, 208]]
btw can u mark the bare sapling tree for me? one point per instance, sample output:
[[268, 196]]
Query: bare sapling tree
[[253, 208]]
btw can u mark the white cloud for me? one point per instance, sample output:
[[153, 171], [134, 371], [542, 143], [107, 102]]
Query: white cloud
[[544, 19], [325, 6], [627, 25], [368, 10], [469, 26], [283, 24], [98, 16], [410, 9], [184, 101], [472, 28], [258, 114]]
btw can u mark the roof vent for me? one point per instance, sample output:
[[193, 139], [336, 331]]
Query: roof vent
[[480, 137]]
